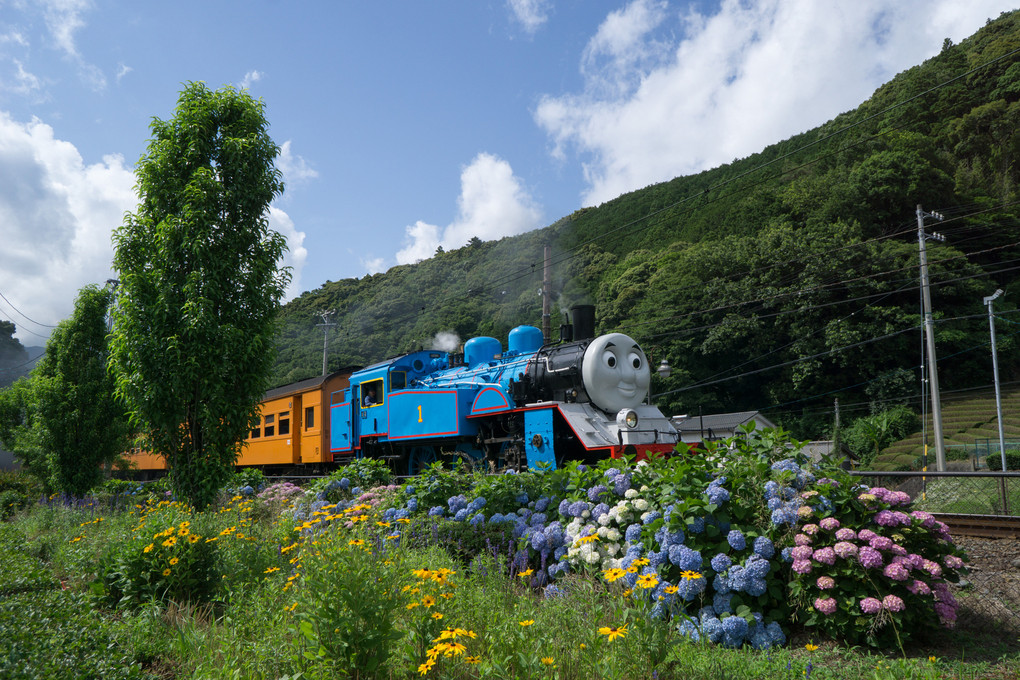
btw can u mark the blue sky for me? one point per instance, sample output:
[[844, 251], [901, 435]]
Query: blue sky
[[409, 125]]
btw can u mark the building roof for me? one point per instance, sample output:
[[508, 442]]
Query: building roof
[[720, 424]]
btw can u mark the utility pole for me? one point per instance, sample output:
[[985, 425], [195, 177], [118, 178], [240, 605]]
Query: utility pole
[[547, 297], [835, 430], [933, 373], [998, 398], [326, 325]]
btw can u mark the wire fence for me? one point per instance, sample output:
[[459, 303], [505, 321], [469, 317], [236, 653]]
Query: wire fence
[[989, 595]]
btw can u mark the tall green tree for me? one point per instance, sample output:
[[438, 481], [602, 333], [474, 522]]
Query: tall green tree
[[200, 286], [21, 429], [83, 425], [13, 357]]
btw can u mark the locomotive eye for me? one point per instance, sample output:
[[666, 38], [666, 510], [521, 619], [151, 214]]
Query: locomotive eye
[[635, 360], [609, 358]]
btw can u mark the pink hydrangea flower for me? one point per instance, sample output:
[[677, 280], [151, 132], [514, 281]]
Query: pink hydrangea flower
[[953, 562], [802, 566], [866, 534], [846, 534], [845, 549], [891, 518], [870, 605], [919, 588], [802, 552], [825, 583], [947, 614], [881, 543], [897, 572], [932, 568], [893, 603], [825, 605], [802, 539], [926, 519], [825, 556], [870, 558], [810, 529], [829, 523]]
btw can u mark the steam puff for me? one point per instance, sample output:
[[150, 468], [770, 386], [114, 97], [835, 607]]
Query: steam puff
[[446, 341]]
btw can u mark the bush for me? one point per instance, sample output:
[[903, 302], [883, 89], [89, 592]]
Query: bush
[[10, 502], [865, 437], [175, 563], [994, 461]]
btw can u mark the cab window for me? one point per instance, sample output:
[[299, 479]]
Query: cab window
[[398, 380], [371, 393]]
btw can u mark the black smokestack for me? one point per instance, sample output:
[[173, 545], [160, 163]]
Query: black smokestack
[[584, 321]]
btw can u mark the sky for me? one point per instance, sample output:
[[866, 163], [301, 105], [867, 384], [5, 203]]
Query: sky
[[403, 125]]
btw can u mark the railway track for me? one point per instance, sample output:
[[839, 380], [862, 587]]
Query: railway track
[[981, 526]]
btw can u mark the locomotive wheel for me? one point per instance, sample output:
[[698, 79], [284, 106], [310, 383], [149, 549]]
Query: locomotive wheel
[[419, 458]]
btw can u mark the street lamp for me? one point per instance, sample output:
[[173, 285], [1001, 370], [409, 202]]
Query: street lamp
[[664, 369]]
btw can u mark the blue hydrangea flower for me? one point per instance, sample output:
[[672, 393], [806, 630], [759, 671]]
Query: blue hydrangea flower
[[736, 539], [560, 552], [755, 587], [737, 577], [685, 558], [551, 590], [538, 519], [477, 504], [696, 525], [633, 533], [461, 515], [564, 508], [345, 483], [734, 630], [712, 628], [721, 603], [577, 508], [688, 629], [402, 513], [784, 515], [409, 490], [356, 491], [542, 503], [495, 519], [437, 511], [522, 498], [690, 588], [611, 474], [787, 554], [757, 566], [621, 483], [538, 541], [651, 517], [763, 547], [595, 493], [657, 559], [456, 503], [721, 563], [479, 518], [599, 510], [717, 495]]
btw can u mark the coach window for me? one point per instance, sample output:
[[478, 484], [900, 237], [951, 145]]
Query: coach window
[[309, 417], [257, 431], [270, 426], [285, 422]]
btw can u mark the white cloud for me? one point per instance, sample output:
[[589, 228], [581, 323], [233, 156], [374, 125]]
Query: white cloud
[[294, 168], [123, 70], [296, 254], [64, 18], [25, 83], [56, 218], [668, 94], [492, 204], [374, 265], [249, 78], [530, 14]]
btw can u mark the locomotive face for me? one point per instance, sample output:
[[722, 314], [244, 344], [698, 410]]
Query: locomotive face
[[615, 372]]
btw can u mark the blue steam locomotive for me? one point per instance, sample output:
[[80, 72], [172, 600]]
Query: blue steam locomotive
[[531, 405]]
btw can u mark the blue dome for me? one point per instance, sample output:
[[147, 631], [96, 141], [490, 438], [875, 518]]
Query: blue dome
[[525, 339], [481, 350]]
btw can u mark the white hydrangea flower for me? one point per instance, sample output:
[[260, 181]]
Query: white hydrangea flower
[[605, 519], [613, 535], [641, 504], [585, 515], [631, 493], [644, 487]]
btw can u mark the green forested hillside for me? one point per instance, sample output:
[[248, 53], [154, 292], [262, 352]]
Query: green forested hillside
[[776, 282]]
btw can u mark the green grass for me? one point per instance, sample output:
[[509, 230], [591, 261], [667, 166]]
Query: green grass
[[51, 625]]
